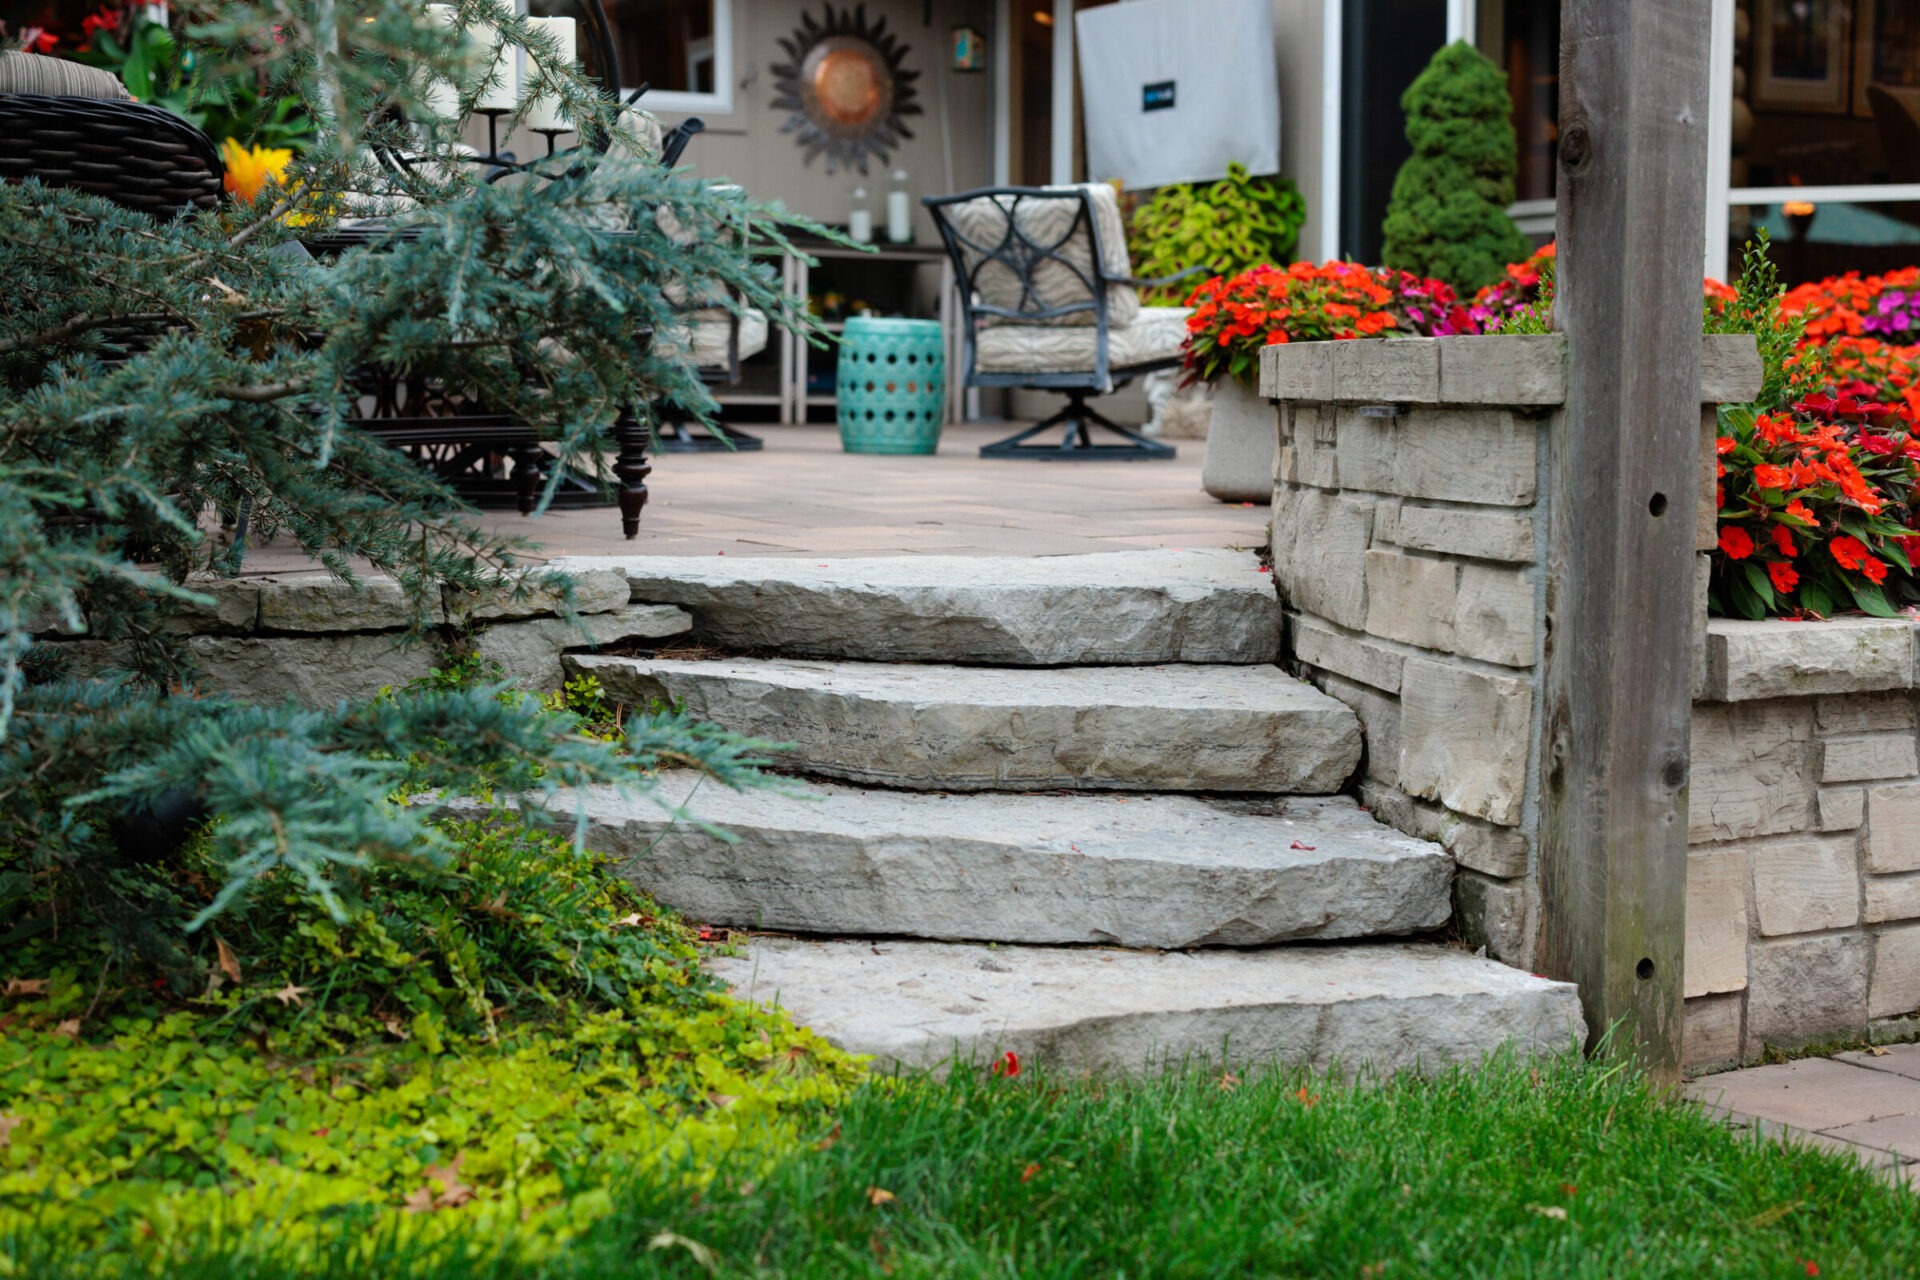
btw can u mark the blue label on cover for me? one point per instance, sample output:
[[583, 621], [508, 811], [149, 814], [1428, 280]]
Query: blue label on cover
[[1157, 96]]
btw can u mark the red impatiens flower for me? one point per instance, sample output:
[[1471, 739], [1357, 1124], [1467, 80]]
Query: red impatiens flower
[[1783, 540], [1784, 577], [1768, 476], [1847, 551], [1736, 542], [1007, 1064]]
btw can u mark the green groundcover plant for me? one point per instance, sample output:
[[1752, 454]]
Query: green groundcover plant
[[1555, 1168], [472, 1055]]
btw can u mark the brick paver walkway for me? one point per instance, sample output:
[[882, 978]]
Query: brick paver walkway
[[802, 496], [1866, 1104]]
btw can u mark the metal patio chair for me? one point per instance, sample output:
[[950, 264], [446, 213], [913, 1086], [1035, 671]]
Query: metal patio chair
[[1050, 302]]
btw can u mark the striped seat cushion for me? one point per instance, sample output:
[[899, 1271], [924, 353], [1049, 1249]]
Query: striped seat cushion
[[32, 73]]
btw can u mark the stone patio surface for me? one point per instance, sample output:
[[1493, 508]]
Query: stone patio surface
[[1865, 1104], [802, 496]]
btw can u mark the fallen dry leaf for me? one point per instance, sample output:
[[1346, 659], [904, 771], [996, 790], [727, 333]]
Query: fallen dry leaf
[[291, 995], [1878, 1050], [70, 1028], [420, 1201], [1229, 1082], [26, 987], [670, 1240], [1298, 845], [453, 1192], [7, 1125], [229, 963], [396, 1028], [879, 1196], [1548, 1211], [630, 921]]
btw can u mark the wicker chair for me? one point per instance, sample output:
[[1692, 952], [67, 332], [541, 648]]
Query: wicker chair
[[75, 126], [1051, 303]]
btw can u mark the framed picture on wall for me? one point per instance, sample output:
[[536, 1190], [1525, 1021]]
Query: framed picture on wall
[[1803, 51], [1886, 48]]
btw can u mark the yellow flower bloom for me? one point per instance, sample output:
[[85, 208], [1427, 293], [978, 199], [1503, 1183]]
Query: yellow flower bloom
[[250, 168]]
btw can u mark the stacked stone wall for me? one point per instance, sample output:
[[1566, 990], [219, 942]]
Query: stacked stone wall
[[1803, 875], [319, 639]]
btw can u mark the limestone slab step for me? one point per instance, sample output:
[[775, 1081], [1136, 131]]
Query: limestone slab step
[[1389, 1006], [1203, 605], [1145, 871], [1172, 728]]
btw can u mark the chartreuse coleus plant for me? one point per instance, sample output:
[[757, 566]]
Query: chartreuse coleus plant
[[1226, 227]]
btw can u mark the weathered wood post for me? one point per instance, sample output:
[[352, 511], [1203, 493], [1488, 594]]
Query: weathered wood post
[[1620, 595]]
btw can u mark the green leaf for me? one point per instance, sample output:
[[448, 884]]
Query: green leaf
[[1870, 598], [1762, 586]]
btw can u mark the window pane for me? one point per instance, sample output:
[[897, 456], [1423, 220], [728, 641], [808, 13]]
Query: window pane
[[1813, 239], [1826, 93], [666, 45]]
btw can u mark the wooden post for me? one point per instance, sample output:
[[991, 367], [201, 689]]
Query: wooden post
[[1624, 458]]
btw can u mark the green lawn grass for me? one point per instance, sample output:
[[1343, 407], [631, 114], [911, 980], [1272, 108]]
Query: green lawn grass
[[1558, 1169]]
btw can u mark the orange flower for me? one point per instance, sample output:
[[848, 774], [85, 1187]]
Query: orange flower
[[1799, 511], [1768, 476], [1736, 542], [1848, 552], [249, 169]]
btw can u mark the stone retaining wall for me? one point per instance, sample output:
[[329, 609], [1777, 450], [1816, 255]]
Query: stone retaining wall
[[318, 639], [1409, 532], [1803, 878]]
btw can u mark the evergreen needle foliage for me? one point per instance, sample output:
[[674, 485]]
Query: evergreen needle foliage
[[154, 374], [1447, 216]]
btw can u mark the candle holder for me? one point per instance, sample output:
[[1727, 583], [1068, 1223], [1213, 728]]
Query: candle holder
[[494, 154], [550, 135]]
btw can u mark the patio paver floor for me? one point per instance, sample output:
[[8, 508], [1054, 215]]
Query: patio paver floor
[[1863, 1104], [802, 496]]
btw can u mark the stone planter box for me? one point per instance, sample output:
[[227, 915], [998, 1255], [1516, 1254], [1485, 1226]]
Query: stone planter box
[[1240, 445], [1411, 534]]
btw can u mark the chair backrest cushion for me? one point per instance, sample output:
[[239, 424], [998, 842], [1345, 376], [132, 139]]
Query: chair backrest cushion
[[33, 73], [1029, 252]]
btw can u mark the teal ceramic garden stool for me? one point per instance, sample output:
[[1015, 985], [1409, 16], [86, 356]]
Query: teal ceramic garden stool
[[891, 382]]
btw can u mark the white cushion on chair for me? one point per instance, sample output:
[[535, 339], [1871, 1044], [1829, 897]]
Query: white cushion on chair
[[708, 330], [1046, 223], [1157, 333]]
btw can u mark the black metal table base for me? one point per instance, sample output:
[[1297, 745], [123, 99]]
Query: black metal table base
[[1076, 442], [681, 437]]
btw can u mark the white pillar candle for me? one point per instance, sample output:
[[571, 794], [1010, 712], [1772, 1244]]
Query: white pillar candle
[[504, 94], [442, 98], [546, 112]]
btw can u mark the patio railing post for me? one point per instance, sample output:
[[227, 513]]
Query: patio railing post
[[1623, 478]]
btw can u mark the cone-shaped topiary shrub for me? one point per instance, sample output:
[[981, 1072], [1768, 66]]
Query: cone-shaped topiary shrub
[[1447, 217]]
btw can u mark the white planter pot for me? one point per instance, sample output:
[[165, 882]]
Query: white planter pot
[[1241, 440]]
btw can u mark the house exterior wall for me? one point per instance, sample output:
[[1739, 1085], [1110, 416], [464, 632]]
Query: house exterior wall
[[746, 144]]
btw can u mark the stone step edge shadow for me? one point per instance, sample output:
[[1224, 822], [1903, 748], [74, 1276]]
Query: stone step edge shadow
[[1177, 727], [1108, 608], [1380, 1007], [1155, 871]]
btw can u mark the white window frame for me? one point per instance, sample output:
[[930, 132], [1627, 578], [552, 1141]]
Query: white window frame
[[677, 101]]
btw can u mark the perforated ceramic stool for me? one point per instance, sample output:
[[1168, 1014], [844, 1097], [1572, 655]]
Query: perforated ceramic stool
[[891, 382]]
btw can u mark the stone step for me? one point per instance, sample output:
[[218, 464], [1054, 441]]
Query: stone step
[[946, 728], [1203, 605], [1144, 871], [1388, 1006]]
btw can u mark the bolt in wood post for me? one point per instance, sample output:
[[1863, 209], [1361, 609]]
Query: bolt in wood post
[[1624, 459]]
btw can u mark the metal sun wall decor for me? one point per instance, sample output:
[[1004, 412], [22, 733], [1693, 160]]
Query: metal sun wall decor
[[846, 88]]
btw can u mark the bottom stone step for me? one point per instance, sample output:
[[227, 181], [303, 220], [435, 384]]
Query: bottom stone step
[[1386, 1006]]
